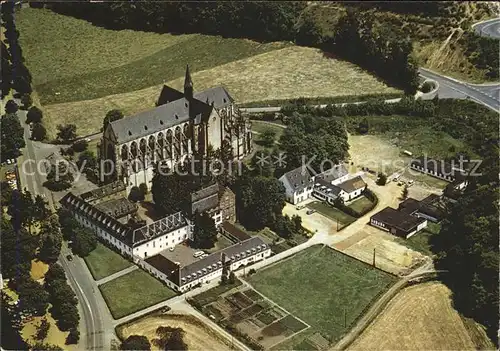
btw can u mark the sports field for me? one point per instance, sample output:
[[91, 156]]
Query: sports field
[[324, 288]]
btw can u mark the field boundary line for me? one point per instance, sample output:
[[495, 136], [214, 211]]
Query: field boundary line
[[375, 310], [289, 337], [248, 285]]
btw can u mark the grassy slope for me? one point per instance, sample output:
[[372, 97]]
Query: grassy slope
[[320, 284], [431, 47], [103, 262], [125, 69], [133, 292], [101, 62]]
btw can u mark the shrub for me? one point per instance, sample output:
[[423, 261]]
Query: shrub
[[136, 194], [80, 145], [427, 87], [39, 132], [34, 115], [26, 100], [11, 107], [73, 336], [382, 179]]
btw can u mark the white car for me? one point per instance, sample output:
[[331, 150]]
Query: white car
[[171, 249]]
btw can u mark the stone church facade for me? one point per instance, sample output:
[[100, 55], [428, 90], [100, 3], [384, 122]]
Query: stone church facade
[[183, 125]]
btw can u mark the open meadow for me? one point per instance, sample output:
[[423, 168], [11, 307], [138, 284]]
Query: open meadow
[[420, 317], [198, 336], [81, 71], [324, 288]]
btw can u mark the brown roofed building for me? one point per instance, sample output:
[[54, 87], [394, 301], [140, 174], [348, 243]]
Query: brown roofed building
[[397, 222]]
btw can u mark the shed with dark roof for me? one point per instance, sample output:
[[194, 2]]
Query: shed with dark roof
[[397, 222]]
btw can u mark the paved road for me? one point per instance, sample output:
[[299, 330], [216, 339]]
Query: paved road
[[486, 94], [490, 28], [91, 317], [97, 327]]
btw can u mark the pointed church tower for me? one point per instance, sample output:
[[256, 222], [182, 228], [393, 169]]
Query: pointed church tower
[[188, 85]]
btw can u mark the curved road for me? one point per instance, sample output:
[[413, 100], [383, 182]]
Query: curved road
[[486, 94], [489, 28]]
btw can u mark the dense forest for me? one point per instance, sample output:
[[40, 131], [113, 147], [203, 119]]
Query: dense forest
[[385, 53]]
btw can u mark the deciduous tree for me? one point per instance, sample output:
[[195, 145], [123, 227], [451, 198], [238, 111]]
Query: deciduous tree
[[12, 135], [84, 242], [66, 132], [136, 342], [205, 233], [39, 132]]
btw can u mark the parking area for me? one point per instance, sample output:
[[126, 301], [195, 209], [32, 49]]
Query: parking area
[[315, 222]]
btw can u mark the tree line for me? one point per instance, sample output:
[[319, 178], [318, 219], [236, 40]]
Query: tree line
[[15, 74], [19, 248], [355, 38]]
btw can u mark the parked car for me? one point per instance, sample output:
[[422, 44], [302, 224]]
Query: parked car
[[300, 207], [171, 249], [310, 212], [69, 258]]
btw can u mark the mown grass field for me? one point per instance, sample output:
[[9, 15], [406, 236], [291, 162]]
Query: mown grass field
[[81, 71], [322, 287], [133, 292], [103, 262], [79, 61]]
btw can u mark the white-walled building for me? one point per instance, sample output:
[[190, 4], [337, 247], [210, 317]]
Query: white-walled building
[[347, 190], [142, 242], [298, 185], [183, 278]]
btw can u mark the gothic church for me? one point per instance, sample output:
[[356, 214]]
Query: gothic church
[[182, 124]]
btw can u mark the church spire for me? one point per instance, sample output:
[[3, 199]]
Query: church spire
[[188, 85]]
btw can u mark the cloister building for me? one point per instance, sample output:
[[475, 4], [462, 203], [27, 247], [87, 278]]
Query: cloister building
[[182, 125]]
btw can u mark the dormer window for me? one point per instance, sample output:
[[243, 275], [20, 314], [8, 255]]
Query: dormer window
[[161, 122], [129, 132], [186, 104], [145, 127], [176, 116], [224, 99]]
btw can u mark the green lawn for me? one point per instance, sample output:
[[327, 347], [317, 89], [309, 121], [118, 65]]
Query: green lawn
[[360, 204], [103, 262], [133, 292], [261, 127], [72, 60], [331, 212], [319, 285], [421, 241]]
